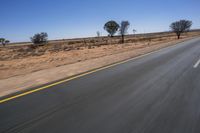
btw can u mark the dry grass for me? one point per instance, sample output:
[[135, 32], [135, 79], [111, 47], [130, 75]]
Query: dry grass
[[19, 60]]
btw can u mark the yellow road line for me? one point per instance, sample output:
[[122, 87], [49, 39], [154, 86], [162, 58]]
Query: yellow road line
[[75, 77]]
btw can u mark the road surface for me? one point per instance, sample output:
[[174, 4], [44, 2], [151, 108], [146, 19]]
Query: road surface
[[158, 93]]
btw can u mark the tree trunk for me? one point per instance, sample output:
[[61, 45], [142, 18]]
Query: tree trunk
[[178, 35], [122, 38]]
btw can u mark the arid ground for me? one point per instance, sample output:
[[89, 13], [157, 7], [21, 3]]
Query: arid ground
[[25, 66]]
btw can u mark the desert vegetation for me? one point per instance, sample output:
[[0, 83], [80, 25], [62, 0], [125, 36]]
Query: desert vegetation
[[4, 42], [40, 38], [111, 27], [22, 58], [180, 27], [21, 51], [124, 29]]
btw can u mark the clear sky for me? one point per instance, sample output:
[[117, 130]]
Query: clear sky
[[21, 19]]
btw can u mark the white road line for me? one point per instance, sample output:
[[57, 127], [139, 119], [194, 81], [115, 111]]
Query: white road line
[[197, 64]]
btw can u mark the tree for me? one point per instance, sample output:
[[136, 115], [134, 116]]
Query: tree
[[111, 27], [98, 34], [3, 41], [123, 29], [134, 31], [40, 38], [7, 42], [180, 27]]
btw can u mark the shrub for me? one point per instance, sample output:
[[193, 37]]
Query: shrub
[[40, 38]]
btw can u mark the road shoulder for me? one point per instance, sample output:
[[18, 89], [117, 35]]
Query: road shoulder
[[32, 80]]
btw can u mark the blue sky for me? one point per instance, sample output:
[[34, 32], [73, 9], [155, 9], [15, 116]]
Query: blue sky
[[21, 19]]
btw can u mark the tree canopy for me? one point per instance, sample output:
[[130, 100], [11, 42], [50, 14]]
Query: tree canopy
[[111, 27], [40, 38], [180, 27]]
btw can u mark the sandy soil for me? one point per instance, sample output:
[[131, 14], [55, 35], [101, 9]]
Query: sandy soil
[[32, 71], [13, 66]]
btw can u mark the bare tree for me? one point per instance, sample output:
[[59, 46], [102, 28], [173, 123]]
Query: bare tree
[[134, 31], [123, 29], [180, 27], [98, 34], [111, 27], [40, 38]]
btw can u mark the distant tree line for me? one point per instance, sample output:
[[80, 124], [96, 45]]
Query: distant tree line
[[112, 27]]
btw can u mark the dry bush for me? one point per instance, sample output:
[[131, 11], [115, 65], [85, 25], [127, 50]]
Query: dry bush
[[20, 51]]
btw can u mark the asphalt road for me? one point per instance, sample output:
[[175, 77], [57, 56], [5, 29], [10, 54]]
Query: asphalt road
[[158, 93]]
